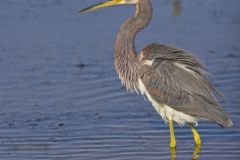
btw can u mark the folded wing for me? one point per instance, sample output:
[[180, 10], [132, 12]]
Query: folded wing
[[176, 78]]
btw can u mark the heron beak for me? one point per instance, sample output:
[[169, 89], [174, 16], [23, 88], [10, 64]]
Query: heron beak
[[102, 5]]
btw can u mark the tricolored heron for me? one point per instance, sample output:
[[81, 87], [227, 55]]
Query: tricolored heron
[[174, 80]]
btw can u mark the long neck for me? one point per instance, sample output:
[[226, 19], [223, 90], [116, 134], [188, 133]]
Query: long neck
[[126, 62]]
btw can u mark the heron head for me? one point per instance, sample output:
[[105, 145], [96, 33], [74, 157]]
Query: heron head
[[107, 4]]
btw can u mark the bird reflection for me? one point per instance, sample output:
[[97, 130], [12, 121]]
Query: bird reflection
[[173, 153], [176, 7], [195, 154]]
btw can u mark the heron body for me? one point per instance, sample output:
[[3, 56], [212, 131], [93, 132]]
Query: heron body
[[173, 80]]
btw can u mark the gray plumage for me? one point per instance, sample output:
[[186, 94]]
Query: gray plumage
[[189, 92], [174, 77]]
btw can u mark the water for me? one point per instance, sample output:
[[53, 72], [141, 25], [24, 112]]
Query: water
[[61, 98]]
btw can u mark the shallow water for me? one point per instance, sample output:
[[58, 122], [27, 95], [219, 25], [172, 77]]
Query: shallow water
[[61, 98]]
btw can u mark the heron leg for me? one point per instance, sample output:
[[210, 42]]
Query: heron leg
[[172, 135], [196, 135]]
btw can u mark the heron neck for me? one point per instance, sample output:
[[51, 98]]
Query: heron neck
[[126, 62]]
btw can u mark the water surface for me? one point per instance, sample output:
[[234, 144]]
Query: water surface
[[61, 98]]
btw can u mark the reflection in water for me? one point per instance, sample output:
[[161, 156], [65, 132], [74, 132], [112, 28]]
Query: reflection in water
[[173, 153], [176, 7], [195, 154]]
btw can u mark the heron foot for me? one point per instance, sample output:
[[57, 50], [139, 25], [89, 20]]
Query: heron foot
[[196, 135], [172, 135], [173, 144]]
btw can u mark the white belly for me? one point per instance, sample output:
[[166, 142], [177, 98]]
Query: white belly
[[166, 112]]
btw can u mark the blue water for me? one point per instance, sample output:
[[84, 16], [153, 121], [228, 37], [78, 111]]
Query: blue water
[[60, 97]]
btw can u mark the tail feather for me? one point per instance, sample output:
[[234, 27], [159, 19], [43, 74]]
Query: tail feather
[[213, 111], [203, 109], [220, 117]]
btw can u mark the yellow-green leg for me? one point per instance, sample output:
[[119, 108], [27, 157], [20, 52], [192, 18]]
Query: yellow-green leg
[[172, 136], [196, 135]]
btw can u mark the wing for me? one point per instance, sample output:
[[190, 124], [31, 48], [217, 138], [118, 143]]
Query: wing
[[175, 77]]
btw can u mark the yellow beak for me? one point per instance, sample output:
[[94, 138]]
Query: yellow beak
[[102, 5]]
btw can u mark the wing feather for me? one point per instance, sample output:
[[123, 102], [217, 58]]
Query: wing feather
[[176, 78]]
